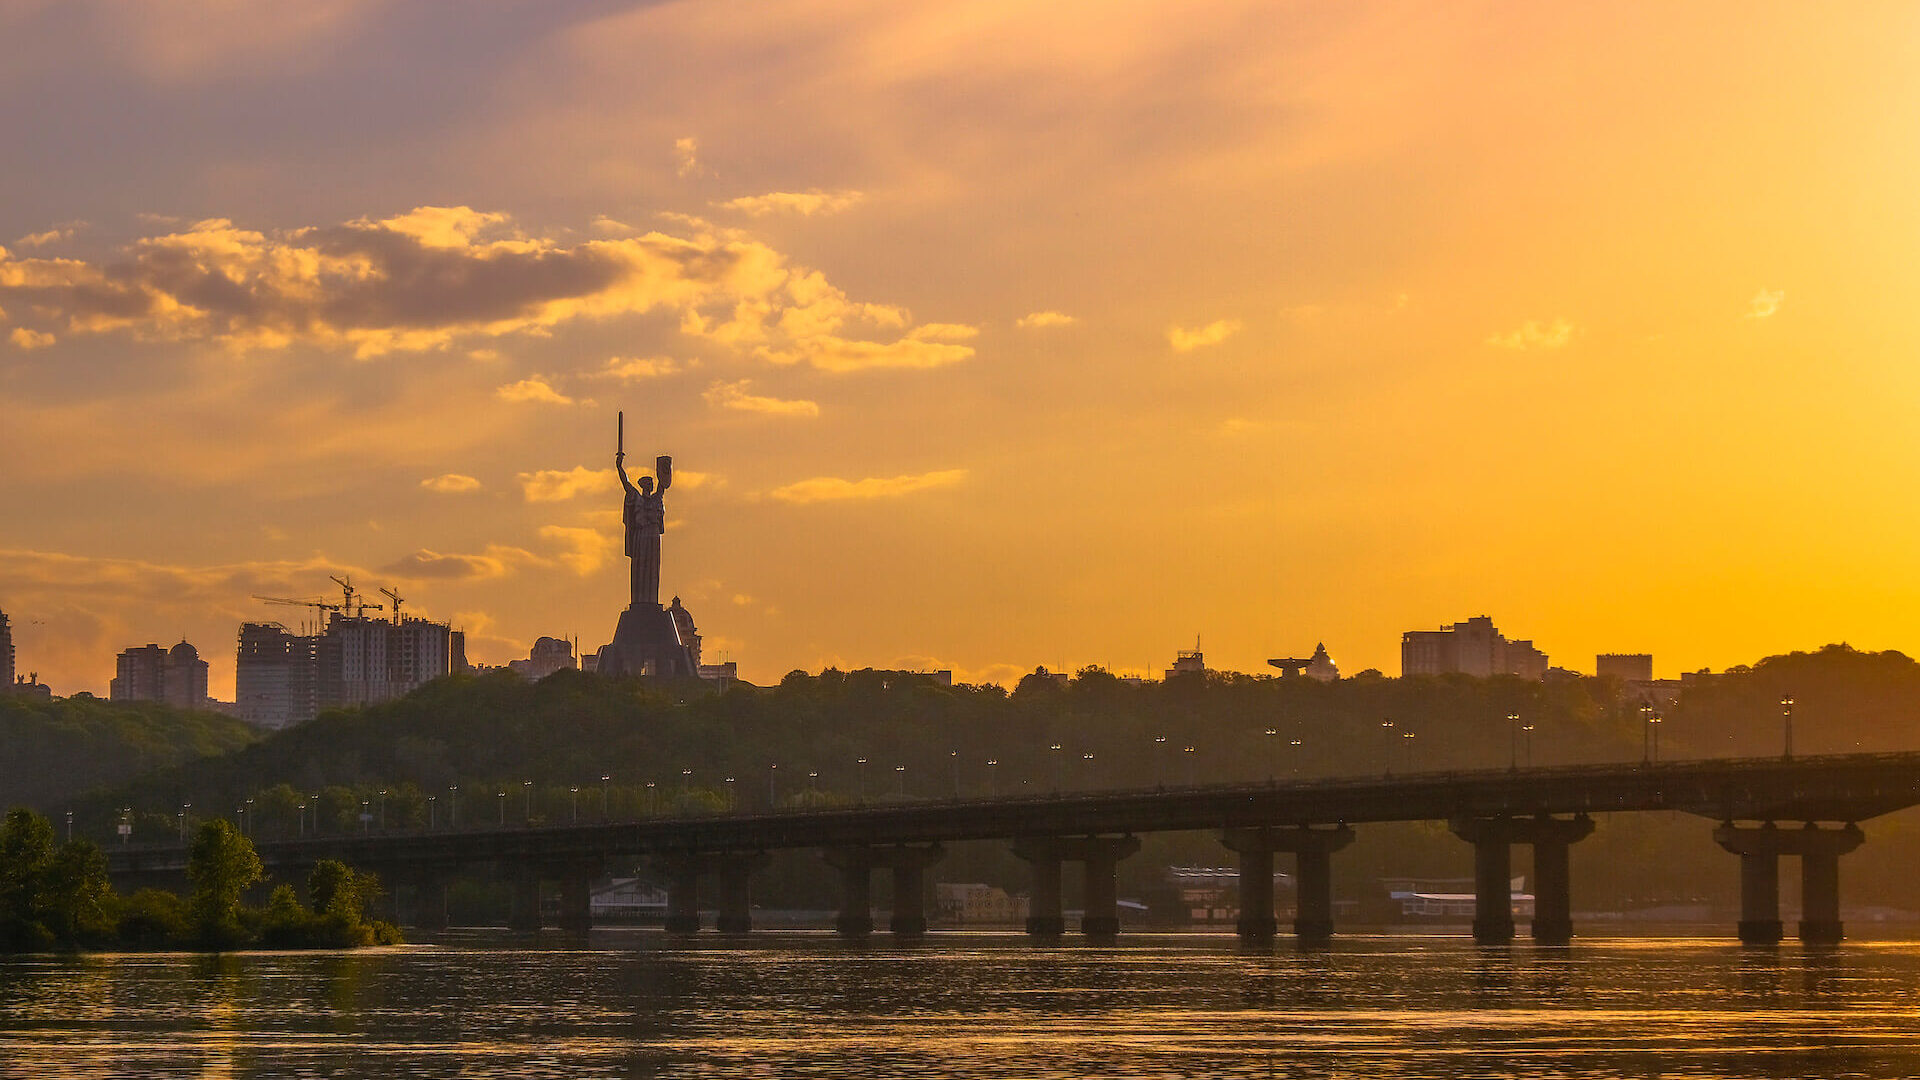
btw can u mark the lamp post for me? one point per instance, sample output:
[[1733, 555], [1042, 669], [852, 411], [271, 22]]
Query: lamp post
[[1646, 733], [1059, 770], [729, 789], [1387, 727], [69, 826], [501, 799], [862, 791], [453, 806], [1188, 750], [813, 781], [605, 779], [315, 800], [1786, 714], [1407, 737], [773, 793], [252, 826], [573, 814], [1653, 723], [1527, 730], [1296, 744], [993, 778], [527, 786], [126, 825], [433, 818], [953, 760], [1273, 755], [303, 821], [383, 809], [652, 803], [900, 775], [1160, 760], [184, 807], [366, 817], [1513, 742], [1092, 777]]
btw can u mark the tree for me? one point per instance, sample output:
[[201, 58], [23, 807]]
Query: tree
[[76, 901], [221, 864], [26, 850]]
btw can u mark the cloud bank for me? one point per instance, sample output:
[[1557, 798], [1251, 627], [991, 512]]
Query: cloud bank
[[435, 275], [836, 489]]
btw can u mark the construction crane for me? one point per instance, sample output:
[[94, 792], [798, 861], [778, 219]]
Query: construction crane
[[290, 601], [351, 603], [397, 601]]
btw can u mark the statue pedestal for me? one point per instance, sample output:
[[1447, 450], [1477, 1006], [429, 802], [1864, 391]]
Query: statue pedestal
[[647, 643]]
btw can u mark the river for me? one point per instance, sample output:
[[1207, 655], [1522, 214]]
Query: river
[[634, 1003]]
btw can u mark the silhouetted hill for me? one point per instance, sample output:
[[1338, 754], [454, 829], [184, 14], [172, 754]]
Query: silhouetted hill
[[56, 750]]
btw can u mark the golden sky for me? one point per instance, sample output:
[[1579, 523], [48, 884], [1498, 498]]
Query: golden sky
[[983, 335]]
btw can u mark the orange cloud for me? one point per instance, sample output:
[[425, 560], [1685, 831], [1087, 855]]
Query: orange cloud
[[30, 339], [1765, 303], [451, 484], [734, 395], [1041, 319], [638, 368], [804, 203], [586, 550], [423, 279], [535, 390], [555, 485], [496, 562], [1185, 340], [835, 489], [1535, 335]]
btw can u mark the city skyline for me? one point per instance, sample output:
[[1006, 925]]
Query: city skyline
[[998, 337]]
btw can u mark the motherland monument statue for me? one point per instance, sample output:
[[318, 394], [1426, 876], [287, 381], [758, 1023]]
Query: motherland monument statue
[[650, 639]]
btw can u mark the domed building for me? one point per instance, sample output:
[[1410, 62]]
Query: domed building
[[176, 676]]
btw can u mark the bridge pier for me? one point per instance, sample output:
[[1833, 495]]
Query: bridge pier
[[1493, 840], [907, 863], [1819, 851], [1312, 851], [1100, 902], [429, 902], [735, 872], [524, 915], [682, 872], [576, 902]]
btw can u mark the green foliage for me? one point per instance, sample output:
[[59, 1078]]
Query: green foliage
[[221, 864], [51, 896], [57, 750], [338, 918]]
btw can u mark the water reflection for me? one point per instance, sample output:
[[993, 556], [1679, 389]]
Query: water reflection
[[969, 1006]]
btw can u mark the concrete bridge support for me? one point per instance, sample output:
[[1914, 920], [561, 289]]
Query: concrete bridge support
[[524, 914], [576, 902], [907, 863], [1100, 904], [735, 874], [1313, 879], [1819, 851], [429, 902], [1493, 840], [682, 872]]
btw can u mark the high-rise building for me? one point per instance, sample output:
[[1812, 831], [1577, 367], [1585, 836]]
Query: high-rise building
[[6, 654], [1627, 667], [274, 676], [282, 678], [1473, 647], [176, 676], [548, 655]]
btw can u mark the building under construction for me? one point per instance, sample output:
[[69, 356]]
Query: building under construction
[[284, 678]]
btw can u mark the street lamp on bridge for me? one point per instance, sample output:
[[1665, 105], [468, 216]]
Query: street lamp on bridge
[[1188, 750], [993, 777], [433, 819], [453, 806], [1527, 730], [574, 814], [1160, 760], [605, 779], [1386, 726], [1059, 770], [1273, 755], [1407, 737], [1786, 713], [1513, 741], [1653, 723], [862, 762], [527, 786]]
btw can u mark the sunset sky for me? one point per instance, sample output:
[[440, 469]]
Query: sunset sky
[[983, 336]]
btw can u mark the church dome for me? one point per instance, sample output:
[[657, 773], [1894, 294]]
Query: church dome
[[183, 653]]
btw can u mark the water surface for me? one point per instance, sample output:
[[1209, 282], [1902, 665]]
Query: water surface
[[633, 1003]]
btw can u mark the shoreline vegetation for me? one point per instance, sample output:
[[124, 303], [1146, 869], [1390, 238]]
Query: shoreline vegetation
[[56, 897]]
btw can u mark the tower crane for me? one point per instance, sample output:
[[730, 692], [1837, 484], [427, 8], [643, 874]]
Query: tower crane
[[290, 601], [397, 601], [351, 603]]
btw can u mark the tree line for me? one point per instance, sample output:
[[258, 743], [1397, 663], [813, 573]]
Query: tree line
[[57, 896]]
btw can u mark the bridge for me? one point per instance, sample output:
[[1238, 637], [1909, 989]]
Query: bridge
[[1822, 798]]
